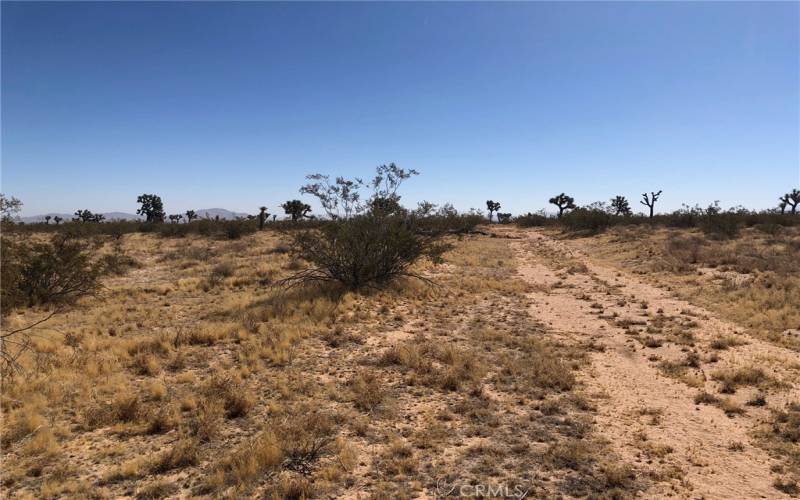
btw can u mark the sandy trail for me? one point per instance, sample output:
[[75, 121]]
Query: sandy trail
[[650, 419]]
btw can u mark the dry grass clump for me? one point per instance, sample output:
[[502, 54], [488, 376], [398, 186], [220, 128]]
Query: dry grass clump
[[537, 365], [182, 454], [20, 423], [367, 390], [723, 343], [229, 390], [685, 370], [206, 422], [732, 378], [786, 423], [124, 408], [163, 419], [445, 367], [781, 436], [157, 490], [248, 463], [398, 459], [295, 443], [569, 454]]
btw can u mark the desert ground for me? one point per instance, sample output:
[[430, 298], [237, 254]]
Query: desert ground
[[643, 362]]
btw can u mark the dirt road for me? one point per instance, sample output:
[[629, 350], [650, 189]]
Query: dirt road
[[652, 356]]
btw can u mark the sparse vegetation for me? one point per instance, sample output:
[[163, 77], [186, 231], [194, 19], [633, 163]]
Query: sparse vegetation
[[203, 369]]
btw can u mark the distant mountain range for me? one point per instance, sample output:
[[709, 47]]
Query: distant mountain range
[[211, 213]]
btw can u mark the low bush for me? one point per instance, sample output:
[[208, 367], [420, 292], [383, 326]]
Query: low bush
[[364, 251], [722, 225], [585, 220], [533, 220], [56, 272]]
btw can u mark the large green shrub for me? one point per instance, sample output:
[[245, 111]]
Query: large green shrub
[[55, 272], [363, 251]]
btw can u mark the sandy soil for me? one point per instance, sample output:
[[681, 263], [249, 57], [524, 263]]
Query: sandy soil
[[651, 419]]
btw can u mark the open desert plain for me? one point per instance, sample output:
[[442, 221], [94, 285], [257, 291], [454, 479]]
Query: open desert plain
[[643, 362], [453, 249]]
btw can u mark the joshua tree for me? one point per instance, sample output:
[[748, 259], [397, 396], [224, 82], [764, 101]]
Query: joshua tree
[[88, 216], [296, 208], [791, 200], [175, 218], [47, 219], [57, 219], [650, 201], [492, 207], [563, 202], [152, 207], [274, 216], [620, 205], [190, 216], [9, 207], [262, 216], [503, 218], [83, 216]]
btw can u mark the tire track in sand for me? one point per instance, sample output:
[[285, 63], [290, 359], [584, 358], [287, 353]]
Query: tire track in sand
[[650, 419]]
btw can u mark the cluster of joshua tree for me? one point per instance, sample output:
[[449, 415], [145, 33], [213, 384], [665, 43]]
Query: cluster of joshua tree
[[152, 207], [619, 204]]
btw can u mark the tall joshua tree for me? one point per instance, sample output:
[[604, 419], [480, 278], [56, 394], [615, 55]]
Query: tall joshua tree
[[57, 220], [296, 209], [492, 207], [47, 219], [563, 202], [262, 216], [175, 218], [83, 216], [152, 207], [190, 216], [620, 205], [650, 201], [791, 200]]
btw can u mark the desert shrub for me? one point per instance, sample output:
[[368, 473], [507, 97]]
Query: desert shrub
[[684, 250], [235, 229], [533, 220], [118, 262], [786, 424], [183, 454], [722, 225], [173, 230], [56, 272], [296, 443], [367, 389], [236, 400], [586, 220], [366, 250], [221, 271], [448, 224]]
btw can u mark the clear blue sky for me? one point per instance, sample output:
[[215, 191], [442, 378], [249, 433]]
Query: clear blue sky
[[231, 104]]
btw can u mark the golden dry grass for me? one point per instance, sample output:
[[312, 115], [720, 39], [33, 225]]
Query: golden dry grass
[[753, 279], [190, 375]]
